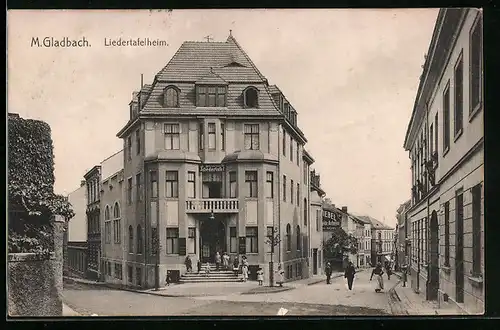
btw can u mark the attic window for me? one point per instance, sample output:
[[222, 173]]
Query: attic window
[[211, 96], [251, 97], [171, 97]]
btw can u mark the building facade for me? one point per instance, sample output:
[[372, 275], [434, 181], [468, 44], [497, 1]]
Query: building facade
[[213, 162], [93, 212], [401, 242], [365, 241], [382, 240], [316, 228], [445, 142], [75, 237]]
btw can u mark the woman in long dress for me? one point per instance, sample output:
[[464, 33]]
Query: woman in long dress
[[281, 275], [378, 272], [244, 269]]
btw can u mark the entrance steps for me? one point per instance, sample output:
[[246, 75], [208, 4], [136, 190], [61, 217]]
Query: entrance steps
[[212, 276]]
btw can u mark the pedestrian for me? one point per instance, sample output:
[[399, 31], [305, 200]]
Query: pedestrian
[[198, 265], [349, 274], [244, 268], [189, 264], [168, 279], [328, 272], [236, 265], [281, 276], [260, 276], [225, 261], [217, 260], [404, 268], [207, 269], [378, 272], [388, 270]]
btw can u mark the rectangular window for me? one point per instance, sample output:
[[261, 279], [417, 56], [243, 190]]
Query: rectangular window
[[269, 185], [292, 187], [291, 149], [129, 190], [284, 143], [233, 191], [191, 185], [298, 197], [192, 240], [476, 230], [284, 188], [211, 136], [431, 139], [130, 274], [318, 220], [459, 97], [138, 141], [252, 135], [171, 184], [476, 64], [201, 134], [118, 271], [202, 96], [212, 96], [138, 186], [446, 118], [252, 240], [139, 240], [222, 137], [232, 240], [172, 136], [297, 154], [154, 184], [436, 133], [129, 148], [221, 96], [251, 183], [306, 174], [172, 240]]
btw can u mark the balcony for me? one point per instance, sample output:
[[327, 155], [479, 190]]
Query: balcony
[[217, 205]]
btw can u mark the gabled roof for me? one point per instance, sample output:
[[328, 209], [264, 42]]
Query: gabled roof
[[194, 59], [375, 223], [361, 219]]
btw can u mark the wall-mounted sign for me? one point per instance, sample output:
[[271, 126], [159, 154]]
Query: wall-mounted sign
[[182, 246], [331, 220], [242, 246], [212, 168]]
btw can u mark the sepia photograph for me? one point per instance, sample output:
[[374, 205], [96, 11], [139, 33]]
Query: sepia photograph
[[230, 162]]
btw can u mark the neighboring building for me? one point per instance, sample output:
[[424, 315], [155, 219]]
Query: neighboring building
[[402, 248], [93, 185], [332, 218], [365, 241], [382, 238], [316, 234], [114, 230], [213, 160], [75, 236], [445, 141]]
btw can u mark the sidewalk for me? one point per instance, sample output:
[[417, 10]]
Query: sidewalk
[[68, 311], [416, 304]]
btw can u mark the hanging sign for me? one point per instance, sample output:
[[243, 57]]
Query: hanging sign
[[331, 220]]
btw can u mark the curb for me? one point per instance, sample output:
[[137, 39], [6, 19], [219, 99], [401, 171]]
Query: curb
[[283, 289]]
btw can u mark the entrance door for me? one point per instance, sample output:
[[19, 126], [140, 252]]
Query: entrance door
[[315, 261], [459, 249], [434, 264], [212, 239]]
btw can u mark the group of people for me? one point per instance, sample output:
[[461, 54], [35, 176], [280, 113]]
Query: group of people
[[350, 271]]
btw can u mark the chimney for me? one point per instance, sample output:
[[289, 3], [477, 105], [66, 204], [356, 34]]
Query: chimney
[[82, 183], [344, 209]]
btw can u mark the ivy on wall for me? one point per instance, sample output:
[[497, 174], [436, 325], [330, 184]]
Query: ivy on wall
[[32, 203]]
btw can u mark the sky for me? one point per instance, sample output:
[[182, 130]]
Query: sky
[[352, 76]]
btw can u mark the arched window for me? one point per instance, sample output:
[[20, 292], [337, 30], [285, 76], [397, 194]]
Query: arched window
[[130, 239], [251, 97], [171, 97], [116, 211], [298, 238], [139, 239], [305, 211], [106, 213], [288, 237]]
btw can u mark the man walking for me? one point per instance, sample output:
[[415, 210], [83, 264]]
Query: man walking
[[328, 272], [349, 274]]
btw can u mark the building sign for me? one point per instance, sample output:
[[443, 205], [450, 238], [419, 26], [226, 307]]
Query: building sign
[[242, 245], [212, 168], [331, 220]]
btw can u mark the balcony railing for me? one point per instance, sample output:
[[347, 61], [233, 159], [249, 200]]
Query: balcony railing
[[217, 205]]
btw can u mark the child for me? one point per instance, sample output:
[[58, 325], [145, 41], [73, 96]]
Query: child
[[207, 269], [281, 276], [260, 276], [198, 264], [167, 279]]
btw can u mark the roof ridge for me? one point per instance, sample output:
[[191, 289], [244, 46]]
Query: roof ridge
[[232, 39]]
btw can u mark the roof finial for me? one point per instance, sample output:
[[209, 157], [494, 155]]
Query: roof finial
[[209, 37], [230, 33]]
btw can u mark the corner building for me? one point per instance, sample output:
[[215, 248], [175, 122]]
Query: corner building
[[213, 161]]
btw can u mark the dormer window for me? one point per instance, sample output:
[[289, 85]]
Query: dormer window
[[286, 108], [211, 96], [171, 97], [251, 97]]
